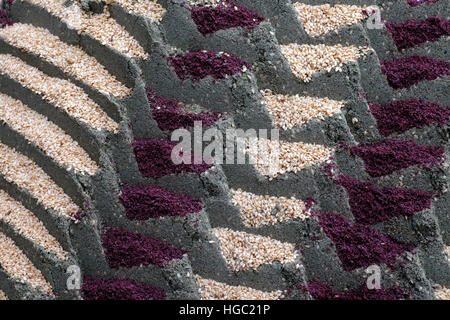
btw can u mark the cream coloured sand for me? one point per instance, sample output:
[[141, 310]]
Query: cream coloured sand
[[293, 111], [257, 210], [101, 27], [273, 158], [61, 93], [244, 251], [322, 19], [22, 171], [17, 265], [442, 294], [26, 223], [148, 8], [213, 290], [305, 59], [46, 135], [70, 59]]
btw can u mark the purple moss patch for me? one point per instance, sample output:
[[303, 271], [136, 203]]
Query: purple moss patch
[[322, 291], [416, 32], [400, 116], [388, 156], [197, 65], [372, 205], [309, 202], [127, 249], [364, 293], [4, 20], [415, 3], [119, 289], [145, 202], [224, 16], [169, 113], [79, 215], [359, 246], [154, 159], [408, 71]]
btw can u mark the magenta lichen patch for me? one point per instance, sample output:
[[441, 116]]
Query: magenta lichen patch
[[400, 116], [197, 65], [224, 16], [359, 246], [309, 202], [4, 19], [372, 205], [415, 3], [119, 289], [171, 114], [387, 156], [127, 249], [154, 160], [407, 71], [81, 214], [416, 32], [146, 202], [322, 291]]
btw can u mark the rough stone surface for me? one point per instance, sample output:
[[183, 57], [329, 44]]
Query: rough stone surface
[[145, 228]]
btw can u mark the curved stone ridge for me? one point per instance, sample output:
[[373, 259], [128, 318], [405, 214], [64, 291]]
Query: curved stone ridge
[[70, 59], [99, 26], [119, 289], [322, 19], [20, 170], [214, 290], [292, 111], [26, 223], [62, 93], [17, 265], [257, 210], [306, 59], [245, 251], [47, 136]]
